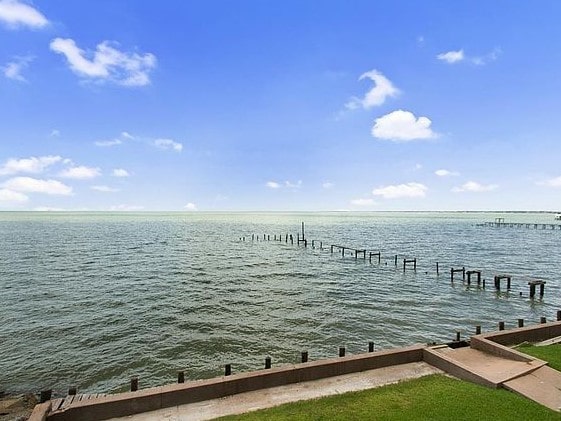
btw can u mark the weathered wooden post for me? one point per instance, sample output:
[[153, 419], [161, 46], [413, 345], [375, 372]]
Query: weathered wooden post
[[458, 336], [559, 315], [341, 351], [45, 395], [267, 363], [370, 346], [543, 320], [72, 390], [395, 262], [134, 384], [304, 356], [478, 329], [180, 377], [437, 271], [520, 322], [501, 325], [228, 370]]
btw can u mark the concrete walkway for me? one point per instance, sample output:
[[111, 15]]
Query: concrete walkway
[[251, 401]]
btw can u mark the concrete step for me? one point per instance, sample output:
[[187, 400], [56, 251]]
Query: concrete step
[[542, 385]]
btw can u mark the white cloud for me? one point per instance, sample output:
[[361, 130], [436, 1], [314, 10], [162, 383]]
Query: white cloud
[[451, 56], [107, 63], [55, 133], [474, 187], [273, 185], [120, 172], [483, 60], [104, 189], [287, 184], [168, 144], [401, 190], [126, 208], [15, 14], [383, 88], [363, 202], [402, 126], [80, 173], [127, 135], [107, 143], [291, 185], [48, 209], [13, 70], [190, 206], [33, 165], [10, 196], [34, 185], [552, 182], [327, 185], [446, 173]]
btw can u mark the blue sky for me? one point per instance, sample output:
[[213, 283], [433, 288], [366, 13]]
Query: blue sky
[[268, 105]]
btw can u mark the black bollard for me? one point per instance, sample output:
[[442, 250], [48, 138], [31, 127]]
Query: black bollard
[[341, 351], [304, 356], [72, 390], [45, 395], [134, 384], [501, 325], [228, 369], [457, 336], [543, 320], [180, 377], [520, 322], [558, 315], [370, 346], [267, 363], [478, 329]]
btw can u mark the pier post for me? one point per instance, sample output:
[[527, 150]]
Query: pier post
[[267, 363], [437, 271], [341, 351], [45, 395], [395, 263], [520, 322], [543, 320], [134, 384], [180, 377], [228, 370], [304, 356], [72, 390], [370, 346], [478, 329], [458, 336], [501, 325], [559, 315]]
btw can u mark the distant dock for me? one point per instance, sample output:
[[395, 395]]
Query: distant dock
[[500, 223]]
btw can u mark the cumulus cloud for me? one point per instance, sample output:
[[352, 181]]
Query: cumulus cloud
[[552, 182], [446, 173], [12, 197], [120, 172], [287, 184], [34, 185], [383, 88], [108, 143], [487, 58], [474, 187], [104, 189], [402, 126], [401, 190], [451, 57], [273, 185], [363, 202], [15, 14], [168, 144], [80, 172], [13, 69], [32, 165], [107, 63], [190, 207]]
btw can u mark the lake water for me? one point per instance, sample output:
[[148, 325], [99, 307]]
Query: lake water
[[93, 299]]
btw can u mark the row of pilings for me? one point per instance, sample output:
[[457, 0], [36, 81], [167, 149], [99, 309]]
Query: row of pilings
[[457, 341], [535, 285]]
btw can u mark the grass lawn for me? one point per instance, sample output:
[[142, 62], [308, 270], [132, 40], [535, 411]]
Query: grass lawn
[[549, 353], [435, 397]]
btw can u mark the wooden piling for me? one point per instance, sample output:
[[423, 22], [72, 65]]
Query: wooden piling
[[341, 351], [520, 322], [304, 356], [267, 363], [437, 271], [559, 315], [180, 377], [395, 262], [134, 384], [228, 370], [478, 329], [370, 346], [543, 320], [501, 325], [458, 336], [72, 390], [45, 395]]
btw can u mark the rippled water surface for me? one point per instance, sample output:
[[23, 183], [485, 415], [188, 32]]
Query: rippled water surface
[[92, 299]]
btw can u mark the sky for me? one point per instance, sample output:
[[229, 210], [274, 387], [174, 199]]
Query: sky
[[179, 105]]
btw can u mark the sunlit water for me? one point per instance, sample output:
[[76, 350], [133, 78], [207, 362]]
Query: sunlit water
[[94, 299]]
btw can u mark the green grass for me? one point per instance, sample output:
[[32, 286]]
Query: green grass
[[435, 397], [549, 353]]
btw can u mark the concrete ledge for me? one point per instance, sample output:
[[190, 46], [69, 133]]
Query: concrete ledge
[[40, 411], [454, 368], [123, 404]]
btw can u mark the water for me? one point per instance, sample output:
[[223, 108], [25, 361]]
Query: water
[[93, 299]]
